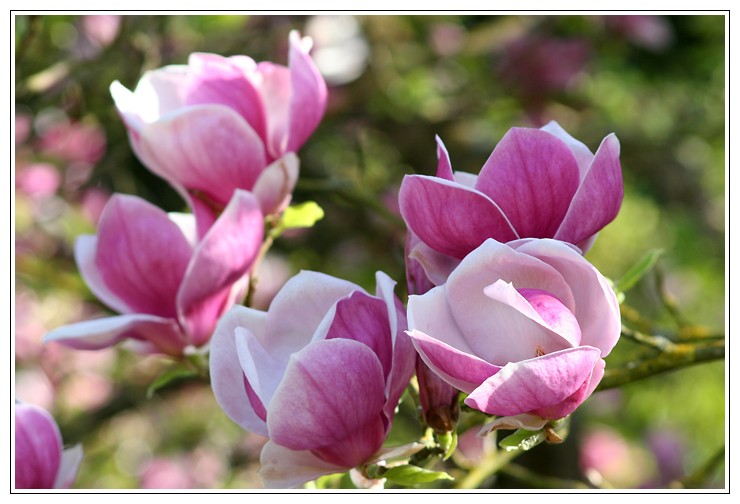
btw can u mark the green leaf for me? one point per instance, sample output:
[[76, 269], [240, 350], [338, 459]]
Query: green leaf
[[448, 442], [409, 475], [639, 270], [522, 440], [170, 375], [303, 215]]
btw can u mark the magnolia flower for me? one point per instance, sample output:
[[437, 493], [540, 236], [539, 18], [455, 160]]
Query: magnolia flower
[[169, 287], [40, 461], [537, 183], [218, 124], [320, 374], [521, 327]]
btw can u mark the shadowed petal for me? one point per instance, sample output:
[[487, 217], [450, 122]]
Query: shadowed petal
[[141, 255], [106, 332], [227, 375], [274, 187], [281, 467], [462, 370], [330, 401], [532, 176], [208, 148], [70, 463], [598, 199], [450, 218], [435, 266], [523, 387], [567, 406], [404, 355], [364, 318], [308, 92], [225, 255]]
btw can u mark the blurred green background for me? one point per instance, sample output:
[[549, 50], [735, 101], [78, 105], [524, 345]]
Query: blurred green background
[[395, 82]]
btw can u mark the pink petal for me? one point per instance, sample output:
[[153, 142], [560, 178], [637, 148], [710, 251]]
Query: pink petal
[[583, 154], [141, 255], [569, 405], [97, 334], [532, 176], [498, 324], [158, 92], [599, 197], [227, 375], [281, 467], [38, 447], [450, 218], [330, 402], [444, 167], [262, 373], [273, 82], [274, 187], [435, 267], [364, 318], [417, 281], [206, 148], [532, 385], [595, 305], [462, 370], [404, 355], [225, 255], [299, 308], [85, 251], [214, 79], [308, 93]]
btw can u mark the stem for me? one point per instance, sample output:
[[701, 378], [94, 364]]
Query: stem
[[535, 480], [253, 278], [672, 356], [490, 466], [669, 302], [698, 478]]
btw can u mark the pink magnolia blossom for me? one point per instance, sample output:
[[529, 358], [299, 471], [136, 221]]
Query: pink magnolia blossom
[[169, 287], [219, 123], [537, 183], [521, 327], [320, 374], [40, 460]]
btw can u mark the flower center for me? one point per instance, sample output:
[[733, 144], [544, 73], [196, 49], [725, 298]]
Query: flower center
[[555, 315]]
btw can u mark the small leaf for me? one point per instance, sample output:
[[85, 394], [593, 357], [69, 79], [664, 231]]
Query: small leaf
[[639, 270], [409, 475], [448, 442], [523, 440], [170, 375], [303, 215]]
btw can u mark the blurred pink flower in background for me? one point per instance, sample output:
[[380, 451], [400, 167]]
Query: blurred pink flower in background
[[538, 67], [101, 29], [651, 32], [23, 125], [38, 180], [72, 141], [93, 202]]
